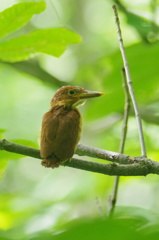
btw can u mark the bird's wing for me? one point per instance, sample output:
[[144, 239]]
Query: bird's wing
[[49, 129], [60, 134], [68, 134]]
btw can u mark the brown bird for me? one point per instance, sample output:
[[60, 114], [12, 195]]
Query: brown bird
[[61, 125]]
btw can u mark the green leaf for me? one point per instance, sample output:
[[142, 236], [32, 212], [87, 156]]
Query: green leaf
[[3, 164], [121, 229], [142, 59], [18, 15], [146, 28], [25, 142], [49, 41], [6, 155], [1, 132], [141, 24]]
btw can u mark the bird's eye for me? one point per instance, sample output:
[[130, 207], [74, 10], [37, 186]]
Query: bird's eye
[[71, 92]]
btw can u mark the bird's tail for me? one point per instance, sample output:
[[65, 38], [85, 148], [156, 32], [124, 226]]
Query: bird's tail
[[50, 162]]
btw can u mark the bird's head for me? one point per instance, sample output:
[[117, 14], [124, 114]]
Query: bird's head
[[72, 96]]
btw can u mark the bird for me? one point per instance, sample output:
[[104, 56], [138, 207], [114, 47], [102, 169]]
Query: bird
[[61, 125]]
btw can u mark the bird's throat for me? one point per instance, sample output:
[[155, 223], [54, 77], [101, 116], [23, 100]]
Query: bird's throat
[[78, 103]]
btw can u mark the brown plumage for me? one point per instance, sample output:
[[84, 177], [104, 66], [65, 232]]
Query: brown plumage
[[61, 125]]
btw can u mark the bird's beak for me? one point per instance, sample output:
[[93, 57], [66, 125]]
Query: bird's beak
[[90, 94]]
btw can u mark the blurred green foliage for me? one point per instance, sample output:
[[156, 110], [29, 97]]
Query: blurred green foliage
[[50, 41], [12, 17], [65, 203]]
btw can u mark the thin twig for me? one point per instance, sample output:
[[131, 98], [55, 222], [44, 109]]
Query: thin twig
[[113, 198], [126, 112], [129, 82]]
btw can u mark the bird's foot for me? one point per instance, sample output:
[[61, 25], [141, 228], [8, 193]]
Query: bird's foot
[[50, 162]]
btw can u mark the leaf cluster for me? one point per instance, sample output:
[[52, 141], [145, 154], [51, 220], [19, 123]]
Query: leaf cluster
[[49, 41]]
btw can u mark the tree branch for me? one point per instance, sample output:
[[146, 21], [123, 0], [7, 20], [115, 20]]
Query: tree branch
[[33, 68], [129, 83], [127, 106], [131, 166], [83, 150]]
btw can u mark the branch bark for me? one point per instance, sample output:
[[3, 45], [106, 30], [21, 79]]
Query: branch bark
[[122, 165]]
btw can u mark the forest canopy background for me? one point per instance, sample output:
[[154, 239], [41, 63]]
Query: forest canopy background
[[34, 199]]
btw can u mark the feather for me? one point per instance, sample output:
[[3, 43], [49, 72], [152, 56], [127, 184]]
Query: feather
[[60, 134], [61, 125]]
